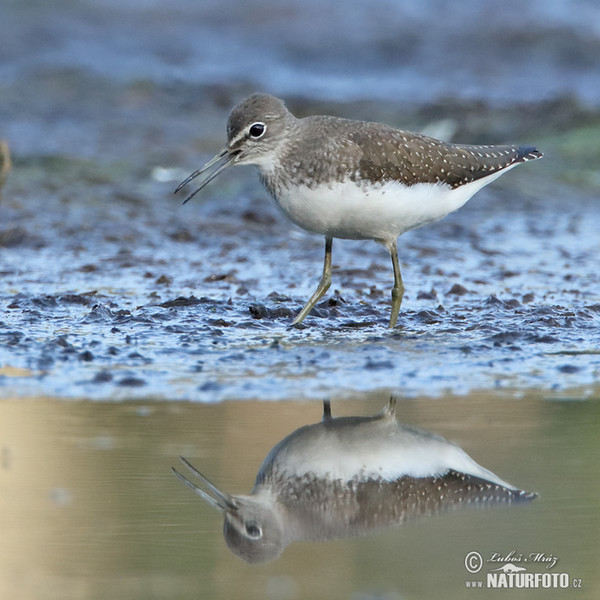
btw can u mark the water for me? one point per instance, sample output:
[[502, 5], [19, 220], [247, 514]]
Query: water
[[112, 290], [90, 508], [134, 330], [196, 302]]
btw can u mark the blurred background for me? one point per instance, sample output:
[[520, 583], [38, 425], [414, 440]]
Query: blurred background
[[166, 327], [78, 74]]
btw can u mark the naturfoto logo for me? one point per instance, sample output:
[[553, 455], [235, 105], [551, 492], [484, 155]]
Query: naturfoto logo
[[511, 570]]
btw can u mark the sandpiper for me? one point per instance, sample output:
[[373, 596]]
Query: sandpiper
[[349, 476], [353, 179]]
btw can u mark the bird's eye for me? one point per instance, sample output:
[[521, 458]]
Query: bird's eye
[[253, 530], [257, 130]]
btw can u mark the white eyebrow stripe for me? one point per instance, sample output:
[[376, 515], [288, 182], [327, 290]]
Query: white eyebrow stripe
[[237, 138]]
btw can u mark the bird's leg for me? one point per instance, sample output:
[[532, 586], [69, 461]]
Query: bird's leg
[[398, 289], [323, 284], [326, 410]]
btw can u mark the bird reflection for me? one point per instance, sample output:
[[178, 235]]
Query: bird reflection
[[349, 476]]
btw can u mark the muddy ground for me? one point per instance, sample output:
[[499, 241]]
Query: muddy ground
[[110, 288]]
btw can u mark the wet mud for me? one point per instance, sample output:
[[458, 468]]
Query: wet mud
[[111, 289], [109, 295]]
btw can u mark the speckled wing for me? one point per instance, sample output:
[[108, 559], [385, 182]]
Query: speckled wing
[[328, 509], [388, 154], [408, 497]]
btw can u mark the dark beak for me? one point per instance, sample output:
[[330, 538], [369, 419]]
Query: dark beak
[[217, 163], [218, 499]]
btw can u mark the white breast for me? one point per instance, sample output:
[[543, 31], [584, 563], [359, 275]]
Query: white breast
[[381, 212], [371, 450]]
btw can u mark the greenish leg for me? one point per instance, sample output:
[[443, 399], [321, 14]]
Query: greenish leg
[[323, 284], [398, 289]]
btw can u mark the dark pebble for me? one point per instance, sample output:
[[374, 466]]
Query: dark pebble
[[260, 311], [83, 299], [458, 290], [372, 365], [45, 362], [277, 297], [209, 386], [251, 216], [14, 236], [88, 268], [432, 295], [512, 303], [358, 324], [543, 339], [98, 314], [131, 382], [493, 301], [44, 301], [219, 323], [62, 342], [102, 377], [181, 301], [505, 337], [217, 277], [569, 369], [527, 298], [335, 300], [86, 356], [427, 317], [181, 235]]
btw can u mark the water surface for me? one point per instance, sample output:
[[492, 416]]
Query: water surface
[[90, 508]]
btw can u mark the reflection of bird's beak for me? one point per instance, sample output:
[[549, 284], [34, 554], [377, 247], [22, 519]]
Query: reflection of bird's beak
[[218, 499], [221, 161]]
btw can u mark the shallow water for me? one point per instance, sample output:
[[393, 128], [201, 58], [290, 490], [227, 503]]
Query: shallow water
[[112, 290], [90, 508], [196, 303]]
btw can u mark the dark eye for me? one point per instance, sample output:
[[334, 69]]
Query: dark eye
[[253, 530], [257, 130]]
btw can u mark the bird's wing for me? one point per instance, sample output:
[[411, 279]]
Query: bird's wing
[[393, 155]]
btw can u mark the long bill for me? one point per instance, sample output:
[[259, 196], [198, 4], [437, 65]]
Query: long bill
[[222, 160], [220, 501]]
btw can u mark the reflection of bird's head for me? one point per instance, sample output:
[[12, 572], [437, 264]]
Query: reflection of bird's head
[[348, 475], [253, 530]]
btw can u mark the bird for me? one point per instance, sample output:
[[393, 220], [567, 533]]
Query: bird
[[348, 476], [349, 179]]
